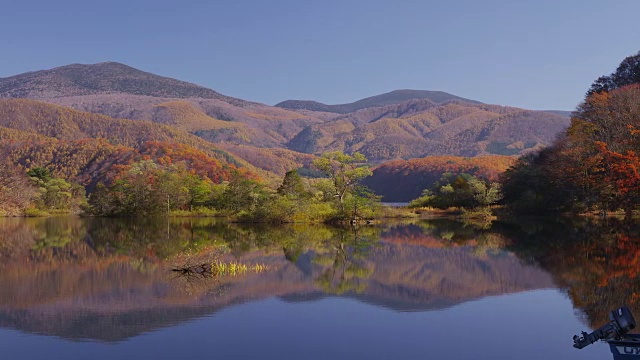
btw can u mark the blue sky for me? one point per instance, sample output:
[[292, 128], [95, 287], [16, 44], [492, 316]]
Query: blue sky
[[533, 54]]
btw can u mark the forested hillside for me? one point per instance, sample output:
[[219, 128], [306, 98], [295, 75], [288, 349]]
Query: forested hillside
[[404, 180], [53, 156], [275, 160], [74, 147], [594, 164], [63, 123], [421, 128]]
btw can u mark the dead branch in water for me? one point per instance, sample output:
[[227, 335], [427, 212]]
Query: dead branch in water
[[199, 270]]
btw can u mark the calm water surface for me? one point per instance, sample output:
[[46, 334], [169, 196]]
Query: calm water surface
[[105, 289]]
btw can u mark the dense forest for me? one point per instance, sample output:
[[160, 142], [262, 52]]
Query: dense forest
[[594, 165]]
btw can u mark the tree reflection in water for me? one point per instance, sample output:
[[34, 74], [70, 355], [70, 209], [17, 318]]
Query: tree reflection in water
[[96, 267], [343, 257], [597, 261]]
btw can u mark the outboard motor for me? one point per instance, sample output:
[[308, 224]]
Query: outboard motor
[[623, 346]]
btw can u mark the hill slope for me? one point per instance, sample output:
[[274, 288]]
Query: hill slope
[[67, 124], [82, 146]]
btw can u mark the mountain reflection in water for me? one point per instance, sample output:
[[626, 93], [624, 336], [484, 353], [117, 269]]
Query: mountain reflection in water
[[111, 279]]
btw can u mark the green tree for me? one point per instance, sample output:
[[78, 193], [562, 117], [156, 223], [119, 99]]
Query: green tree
[[40, 173], [345, 171], [102, 200], [362, 204], [485, 194], [56, 194], [146, 188], [173, 190], [292, 184], [463, 191], [241, 194], [454, 192], [200, 192]]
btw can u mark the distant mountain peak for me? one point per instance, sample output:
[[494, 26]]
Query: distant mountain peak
[[392, 97], [108, 77]]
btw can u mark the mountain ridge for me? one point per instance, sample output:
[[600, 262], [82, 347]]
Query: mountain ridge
[[389, 98]]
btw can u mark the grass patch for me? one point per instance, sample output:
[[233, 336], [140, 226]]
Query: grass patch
[[234, 268], [33, 212], [430, 212], [391, 212], [196, 212]]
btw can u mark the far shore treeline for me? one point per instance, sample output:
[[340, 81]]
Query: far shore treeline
[[54, 160]]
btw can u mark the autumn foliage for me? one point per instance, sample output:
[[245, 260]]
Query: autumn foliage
[[594, 164]]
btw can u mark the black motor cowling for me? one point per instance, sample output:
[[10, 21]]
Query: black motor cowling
[[621, 322]]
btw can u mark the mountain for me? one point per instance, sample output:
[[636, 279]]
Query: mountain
[[106, 77], [401, 124], [120, 91], [393, 97]]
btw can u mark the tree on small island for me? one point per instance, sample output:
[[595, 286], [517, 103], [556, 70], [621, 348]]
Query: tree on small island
[[461, 191], [345, 172]]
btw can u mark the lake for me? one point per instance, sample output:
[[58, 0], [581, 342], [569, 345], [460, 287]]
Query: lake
[[132, 289]]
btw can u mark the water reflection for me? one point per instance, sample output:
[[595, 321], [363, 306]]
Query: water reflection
[[111, 279], [597, 261]]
